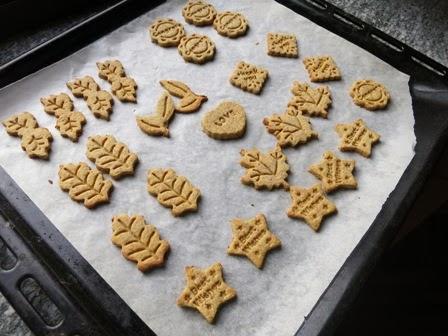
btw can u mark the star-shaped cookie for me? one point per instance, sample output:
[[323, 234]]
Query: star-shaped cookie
[[249, 77], [310, 204], [334, 172], [205, 290], [252, 238], [357, 137]]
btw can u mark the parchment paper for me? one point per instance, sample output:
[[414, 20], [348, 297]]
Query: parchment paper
[[272, 301]]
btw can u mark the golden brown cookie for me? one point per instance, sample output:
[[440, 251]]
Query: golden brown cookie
[[334, 173], [70, 124], [252, 238], [139, 242], [321, 69], [17, 124], [226, 121], [57, 104], [357, 137], [311, 205], [125, 88], [249, 77], [110, 156], [310, 101], [369, 94], [189, 102], [166, 32], [196, 48], [290, 128], [80, 87], [110, 70], [157, 123], [265, 170], [230, 24], [283, 45], [173, 191], [84, 184], [199, 13], [205, 290]]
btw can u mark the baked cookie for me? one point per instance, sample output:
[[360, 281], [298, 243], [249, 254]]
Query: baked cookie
[[313, 102], [230, 24], [226, 121], [199, 13], [166, 32], [369, 94], [321, 69], [357, 137], [249, 77], [196, 48], [282, 45], [189, 102], [123, 87], [157, 123]]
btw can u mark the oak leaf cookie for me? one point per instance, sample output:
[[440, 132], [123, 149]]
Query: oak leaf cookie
[[57, 104], [17, 124], [283, 45], [311, 205], [157, 123], [205, 290], [110, 156], [230, 24], [334, 172], [189, 102], [110, 70], [249, 77], [123, 87], [357, 137], [290, 128], [265, 170], [321, 69], [369, 94], [199, 13], [173, 191], [166, 32], [84, 184], [252, 238], [226, 121], [310, 101], [196, 48], [139, 242]]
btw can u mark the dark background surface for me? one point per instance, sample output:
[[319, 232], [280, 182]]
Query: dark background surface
[[406, 294]]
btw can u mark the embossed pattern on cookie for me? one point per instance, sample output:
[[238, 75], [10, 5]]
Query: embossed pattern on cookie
[[283, 45], [321, 69], [199, 13], [196, 48], [357, 137], [157, 123], [230, 24], [249, 77], [125, 88], [334, 173], [189, 102], [166, 32], [252, 238], [205, 290], [310, 101], [226, 121], [369, 94], [311, 205]]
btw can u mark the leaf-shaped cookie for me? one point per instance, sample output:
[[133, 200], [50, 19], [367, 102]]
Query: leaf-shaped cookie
[[125, 89], [110, 70], [111, 156], [175, 88], [36, 142], [157, 123], [100, 103], [70, 124], [139, 242], [265, 170], [309, 101], [190, 101], [82, 86], [173, 191], [84, 184], [57, 104], [17, 124]]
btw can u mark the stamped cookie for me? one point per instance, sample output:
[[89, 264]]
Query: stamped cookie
[[166, 32], [123, 87], [157, 123], [369, 94], [283, 45], [252, 238], [230, 24], [321, 69], [189, 102], [314, 102], [110, 70], [173, 191], [199, 13], [334, 173], [57, 104], [139, 242], [196, 48], [36, 141], [226, 121], [205, 290], [357, 137], [84, 184], [110, 156], [311, 205], [249, 77], [265, 170], [290, 128]]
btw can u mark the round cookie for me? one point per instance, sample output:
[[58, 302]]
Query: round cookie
[[196, 48], [230, 24], [166, 32], [199, 13], [369, 94]]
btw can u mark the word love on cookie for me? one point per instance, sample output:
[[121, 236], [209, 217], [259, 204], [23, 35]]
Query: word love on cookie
[[226, 121]]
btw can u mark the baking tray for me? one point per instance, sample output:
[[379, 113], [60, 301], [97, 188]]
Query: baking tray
[[87, 305]]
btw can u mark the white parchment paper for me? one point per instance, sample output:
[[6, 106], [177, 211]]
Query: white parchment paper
[[272, 301]]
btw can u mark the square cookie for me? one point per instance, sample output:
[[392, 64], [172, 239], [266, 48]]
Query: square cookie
[[282, 45]]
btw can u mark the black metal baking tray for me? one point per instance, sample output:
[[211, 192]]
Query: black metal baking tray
[[89, 306]]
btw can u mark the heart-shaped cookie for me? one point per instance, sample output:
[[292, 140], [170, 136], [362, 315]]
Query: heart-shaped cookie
[[226, 121]]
